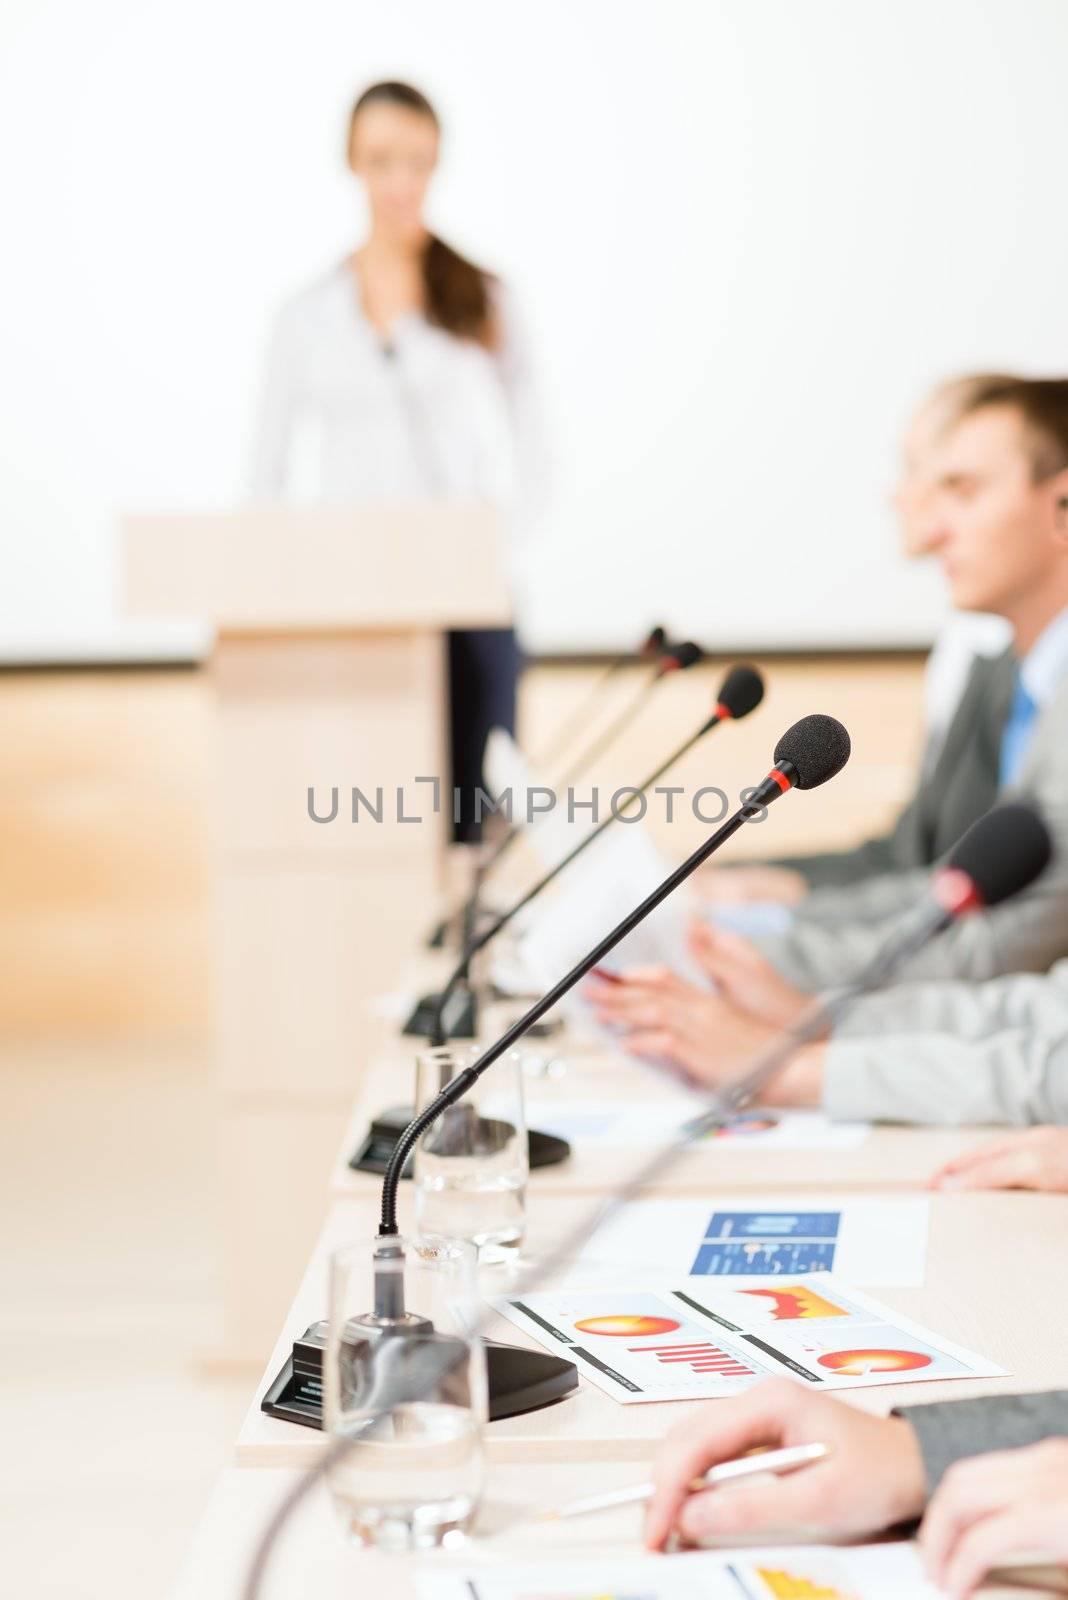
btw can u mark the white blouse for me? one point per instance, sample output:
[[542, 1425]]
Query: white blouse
[[347, 414]]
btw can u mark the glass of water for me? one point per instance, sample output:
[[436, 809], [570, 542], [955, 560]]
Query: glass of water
[[405, 1384], [470, 1167]]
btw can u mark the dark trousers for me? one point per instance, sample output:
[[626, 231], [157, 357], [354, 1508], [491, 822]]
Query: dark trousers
[[484, 668]]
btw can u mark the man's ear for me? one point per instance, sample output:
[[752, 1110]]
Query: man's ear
[[1059, 486]]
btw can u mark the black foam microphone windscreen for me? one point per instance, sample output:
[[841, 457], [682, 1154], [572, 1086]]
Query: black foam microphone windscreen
[[1003, 852], [682, 656], [816, 747], [741, 691]]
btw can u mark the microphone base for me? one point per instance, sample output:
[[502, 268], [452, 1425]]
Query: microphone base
[[461, 1016], [459, 1022], [519, 1381], [373, 1155]]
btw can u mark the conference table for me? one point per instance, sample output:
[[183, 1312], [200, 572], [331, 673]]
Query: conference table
[[991, 1283]]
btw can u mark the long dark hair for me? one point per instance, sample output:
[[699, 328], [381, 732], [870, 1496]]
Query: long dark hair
[[457, 293]]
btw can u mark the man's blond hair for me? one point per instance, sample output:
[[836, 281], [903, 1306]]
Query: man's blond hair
[[1040, 403]]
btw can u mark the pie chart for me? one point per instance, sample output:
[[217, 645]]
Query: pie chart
[[858, 1363], [627, 1327]]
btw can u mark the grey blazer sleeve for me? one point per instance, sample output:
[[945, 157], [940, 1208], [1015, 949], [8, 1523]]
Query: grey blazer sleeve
[[957, 1428], [1025, 934], [1010, 1078], [1027, 1000]]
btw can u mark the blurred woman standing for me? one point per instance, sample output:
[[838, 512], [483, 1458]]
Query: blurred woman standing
[[404, 365]]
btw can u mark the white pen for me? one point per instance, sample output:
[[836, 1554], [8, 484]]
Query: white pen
[[777, 1461]]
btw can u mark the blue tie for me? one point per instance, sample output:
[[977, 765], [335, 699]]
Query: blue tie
[[1014, 740]]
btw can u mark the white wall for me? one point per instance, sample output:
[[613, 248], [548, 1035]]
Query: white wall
[[745, 235]]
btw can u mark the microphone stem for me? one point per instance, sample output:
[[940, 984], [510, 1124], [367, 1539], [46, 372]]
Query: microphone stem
[[615, 727], [566, 731], [561, 742], [763, 796], [472, 947]]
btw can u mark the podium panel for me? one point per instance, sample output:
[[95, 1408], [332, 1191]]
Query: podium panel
[[329, 669], [360, 711]]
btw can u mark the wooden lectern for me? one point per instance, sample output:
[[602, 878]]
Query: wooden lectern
[[329, 672]]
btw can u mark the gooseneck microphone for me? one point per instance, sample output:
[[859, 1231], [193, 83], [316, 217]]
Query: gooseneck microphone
[[807, 755], [675, 658], [651, 650], [741, 692], [1002, 854]]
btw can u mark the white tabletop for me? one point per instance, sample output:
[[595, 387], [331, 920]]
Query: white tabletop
[[986, 1255], [888, 1157], [313, 1559]]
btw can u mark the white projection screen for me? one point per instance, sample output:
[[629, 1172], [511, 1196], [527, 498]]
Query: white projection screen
[[744, 237]]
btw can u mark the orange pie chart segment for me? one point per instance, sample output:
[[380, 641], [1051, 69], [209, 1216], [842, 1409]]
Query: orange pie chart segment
[[627, 1327], [858, 1363]]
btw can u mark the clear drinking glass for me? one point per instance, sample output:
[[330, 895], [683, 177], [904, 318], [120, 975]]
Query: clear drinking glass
[[405, 1380], [470, 1167]]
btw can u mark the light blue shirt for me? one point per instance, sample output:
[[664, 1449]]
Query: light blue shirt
[[1038, 678]]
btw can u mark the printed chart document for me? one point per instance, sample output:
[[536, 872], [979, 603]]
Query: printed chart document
[[865, 1240], [818, 1572], [716, 1340]]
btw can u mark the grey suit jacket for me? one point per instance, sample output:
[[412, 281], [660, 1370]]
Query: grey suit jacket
[[957, 1428], [992, 1052], [1025, 934], [958, 782]]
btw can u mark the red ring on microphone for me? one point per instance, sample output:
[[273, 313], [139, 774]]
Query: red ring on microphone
[[780, 778], [724, 713], [956, 892]]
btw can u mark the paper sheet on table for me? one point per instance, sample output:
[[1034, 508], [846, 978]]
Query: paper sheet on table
[[508, 772], [604, 1124], [868, 1241], [597, 891], [781, 1572], [717, 1338]]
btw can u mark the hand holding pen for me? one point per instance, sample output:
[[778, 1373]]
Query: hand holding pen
[[750, 1466], [870, 1475]]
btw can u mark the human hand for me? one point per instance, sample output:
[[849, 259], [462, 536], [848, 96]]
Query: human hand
[[743, 976], [740, 886], [990, 1507], [873, 1478], [658, 1015], [1033, 1158]]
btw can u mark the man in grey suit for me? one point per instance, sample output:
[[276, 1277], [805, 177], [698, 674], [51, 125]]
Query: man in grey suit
[[997, 518], [958, 779], [935, 1048], [989, 1477]]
